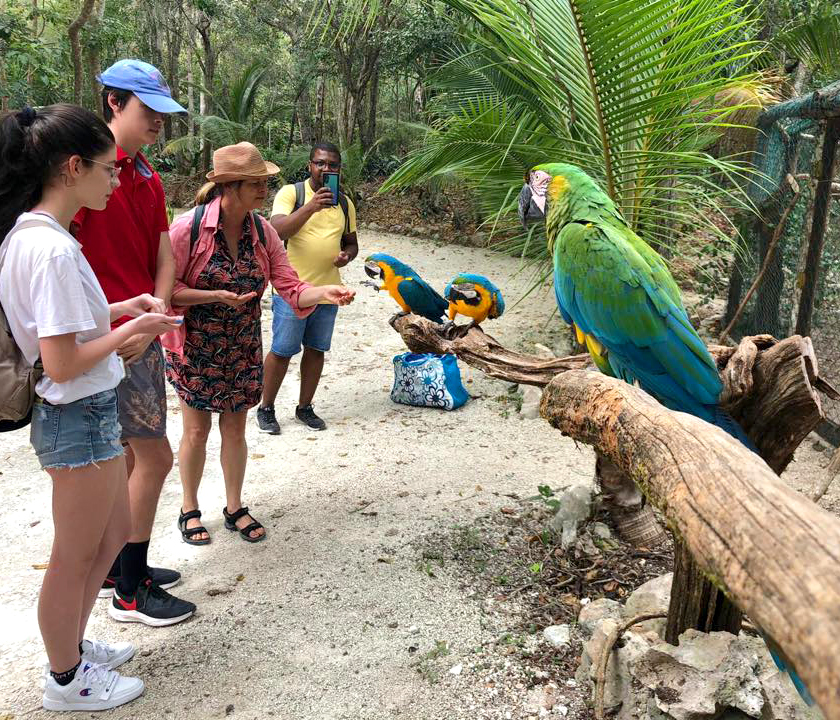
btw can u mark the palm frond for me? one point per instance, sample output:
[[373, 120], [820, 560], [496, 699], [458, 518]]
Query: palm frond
[[815, 41], [633, 91]]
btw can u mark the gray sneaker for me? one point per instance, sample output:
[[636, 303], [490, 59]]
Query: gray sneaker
[[307, 416], [267, 420]]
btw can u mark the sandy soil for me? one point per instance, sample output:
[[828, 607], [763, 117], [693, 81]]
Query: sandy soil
[[327, 618]]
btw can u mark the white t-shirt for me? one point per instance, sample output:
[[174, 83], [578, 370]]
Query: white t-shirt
[[48, 288]]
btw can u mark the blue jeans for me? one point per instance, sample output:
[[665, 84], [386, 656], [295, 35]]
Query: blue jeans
[[80, 433], [289, 331]]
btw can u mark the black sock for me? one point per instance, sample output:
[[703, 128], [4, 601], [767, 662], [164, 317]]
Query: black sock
[[66, 677], [115, 568], [81, 650], [133, 564]]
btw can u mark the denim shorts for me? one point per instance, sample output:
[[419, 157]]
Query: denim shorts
[[289, 331], [80, 433]]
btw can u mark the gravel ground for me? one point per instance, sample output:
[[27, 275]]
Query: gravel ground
[[336, 615]]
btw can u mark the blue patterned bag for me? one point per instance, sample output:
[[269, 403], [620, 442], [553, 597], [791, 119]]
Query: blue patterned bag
[[428, 380]]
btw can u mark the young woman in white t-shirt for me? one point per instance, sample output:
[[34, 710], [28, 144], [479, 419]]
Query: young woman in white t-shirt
[[52, 163]]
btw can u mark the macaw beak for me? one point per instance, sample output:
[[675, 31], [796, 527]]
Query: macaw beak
[[373, 270], [465, 292], [528, 211]]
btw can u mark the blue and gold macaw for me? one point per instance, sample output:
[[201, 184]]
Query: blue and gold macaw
[[473, 296], [618, 295], [412, 293]]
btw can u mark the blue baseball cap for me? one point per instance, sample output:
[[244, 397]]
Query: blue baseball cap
[[145, 81]]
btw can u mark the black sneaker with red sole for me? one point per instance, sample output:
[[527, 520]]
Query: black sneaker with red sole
[[162, 577], [151, 605]]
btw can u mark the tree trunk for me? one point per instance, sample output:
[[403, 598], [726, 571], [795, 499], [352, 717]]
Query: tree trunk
[[173, 124], [4, 83], [303, 110], [770, 547], [319, 112], [204, 30], [76, 48], [816, 240], [93, 62], [367, 129]]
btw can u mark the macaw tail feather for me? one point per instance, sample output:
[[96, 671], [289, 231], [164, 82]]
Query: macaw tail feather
[[729, 425], [791, 673]]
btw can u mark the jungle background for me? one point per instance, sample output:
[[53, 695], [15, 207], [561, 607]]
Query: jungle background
[[441, 106]]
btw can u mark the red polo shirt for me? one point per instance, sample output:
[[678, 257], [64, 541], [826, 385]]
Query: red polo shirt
[[121, 242]]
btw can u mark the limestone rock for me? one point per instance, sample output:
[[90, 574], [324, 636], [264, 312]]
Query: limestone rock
[[531, 397], [575, 508], [706, 677], [652, 597], [593, 613], [558, 636]]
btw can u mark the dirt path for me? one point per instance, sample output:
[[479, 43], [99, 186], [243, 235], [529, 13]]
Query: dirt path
[[328, 617]]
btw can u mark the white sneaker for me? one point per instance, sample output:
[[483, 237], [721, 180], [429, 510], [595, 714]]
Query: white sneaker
[[94, 687], [111, 655]]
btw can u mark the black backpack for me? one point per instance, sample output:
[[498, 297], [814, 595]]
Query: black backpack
[[196, 226], [300, 199]]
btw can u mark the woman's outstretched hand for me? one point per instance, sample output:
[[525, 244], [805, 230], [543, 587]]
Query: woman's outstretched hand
[[338, 294], [232, 299]]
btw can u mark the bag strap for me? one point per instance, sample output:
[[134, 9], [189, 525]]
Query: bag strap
[[260, 229], [34, 222], [198, 214], [342, 200], [300, 195]]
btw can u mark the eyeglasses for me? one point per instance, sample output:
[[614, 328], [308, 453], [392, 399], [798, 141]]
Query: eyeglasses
[[114, 170], [324, 165]]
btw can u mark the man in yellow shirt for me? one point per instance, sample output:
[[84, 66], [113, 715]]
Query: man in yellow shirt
[[320, 238]]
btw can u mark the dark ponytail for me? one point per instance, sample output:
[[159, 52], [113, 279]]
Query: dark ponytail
[[33, 146]]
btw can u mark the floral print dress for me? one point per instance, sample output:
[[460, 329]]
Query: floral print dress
[[222, 365]]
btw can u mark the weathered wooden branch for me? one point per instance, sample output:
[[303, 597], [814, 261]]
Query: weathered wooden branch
[[776, 553], [484, 352], [831, 472]]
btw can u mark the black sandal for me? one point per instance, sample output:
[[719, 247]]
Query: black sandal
[[188, 533], [230, 524]]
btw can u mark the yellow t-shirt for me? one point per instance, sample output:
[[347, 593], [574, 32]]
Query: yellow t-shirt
[[314, 247]]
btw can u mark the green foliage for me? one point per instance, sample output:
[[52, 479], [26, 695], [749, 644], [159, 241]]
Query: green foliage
[[630, 91], [815, 41], [236, 119]]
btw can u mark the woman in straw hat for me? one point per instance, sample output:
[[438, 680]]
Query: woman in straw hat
[[225, 256]]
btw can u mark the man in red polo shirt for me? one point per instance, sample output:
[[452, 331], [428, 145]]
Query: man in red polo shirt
[[127, 245]]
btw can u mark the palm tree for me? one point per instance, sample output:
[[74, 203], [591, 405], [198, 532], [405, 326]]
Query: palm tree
[[235, 120], [633, 91]]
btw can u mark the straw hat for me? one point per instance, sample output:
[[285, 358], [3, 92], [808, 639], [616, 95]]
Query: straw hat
[[239, 162]]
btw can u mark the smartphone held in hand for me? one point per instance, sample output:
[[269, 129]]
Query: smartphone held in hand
[[331, 182]]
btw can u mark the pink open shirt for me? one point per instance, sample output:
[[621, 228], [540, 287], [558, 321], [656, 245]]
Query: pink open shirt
[[188, 266]]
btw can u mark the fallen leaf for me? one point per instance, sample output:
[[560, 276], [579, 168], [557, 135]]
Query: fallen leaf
[[508, 511], [240, 577], [40, 566], [218, 591]]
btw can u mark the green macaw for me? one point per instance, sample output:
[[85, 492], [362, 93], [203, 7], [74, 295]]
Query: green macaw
[[617, 293]]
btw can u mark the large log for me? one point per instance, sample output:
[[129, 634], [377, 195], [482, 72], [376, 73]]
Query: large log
[[775, 552], [769, 387]]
